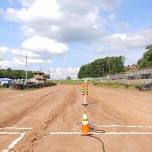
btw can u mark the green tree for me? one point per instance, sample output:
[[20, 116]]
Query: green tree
[[102, 67], [68, 78], [146, 60], [14, 74], [46, 76]]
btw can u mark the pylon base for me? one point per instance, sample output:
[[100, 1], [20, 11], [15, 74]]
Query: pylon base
[[86, 134], [84, 104]]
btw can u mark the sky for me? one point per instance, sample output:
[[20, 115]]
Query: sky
[[59, 36]]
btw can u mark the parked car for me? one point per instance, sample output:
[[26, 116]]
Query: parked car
[[5, 82]]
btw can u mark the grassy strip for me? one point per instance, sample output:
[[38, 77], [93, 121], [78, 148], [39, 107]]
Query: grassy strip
[[1, 88], [115, 85], [97, 83]]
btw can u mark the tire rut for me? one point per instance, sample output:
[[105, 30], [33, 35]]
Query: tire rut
[[18, 116], [32, 139]]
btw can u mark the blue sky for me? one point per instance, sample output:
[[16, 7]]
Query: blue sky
[[62, 35], [137, 13]]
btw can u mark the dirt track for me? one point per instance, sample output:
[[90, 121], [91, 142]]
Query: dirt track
[[59, 109]]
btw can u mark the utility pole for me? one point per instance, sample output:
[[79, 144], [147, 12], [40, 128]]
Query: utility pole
[[26, 68], [49, 75]]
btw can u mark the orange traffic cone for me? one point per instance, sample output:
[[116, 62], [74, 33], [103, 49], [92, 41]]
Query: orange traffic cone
[[86, 130]]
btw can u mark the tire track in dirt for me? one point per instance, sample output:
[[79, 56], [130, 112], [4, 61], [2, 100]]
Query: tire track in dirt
[[41, 130], [18, 116]]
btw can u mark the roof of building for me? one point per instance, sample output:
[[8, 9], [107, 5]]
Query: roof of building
[[37, 72]]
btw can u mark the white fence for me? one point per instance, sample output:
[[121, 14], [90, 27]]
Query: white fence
[[138, 77]]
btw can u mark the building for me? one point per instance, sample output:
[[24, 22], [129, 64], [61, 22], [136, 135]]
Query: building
[[38, 77], [132, 68]]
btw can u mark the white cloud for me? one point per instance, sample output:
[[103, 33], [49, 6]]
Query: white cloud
[[48, 24], [3, 49], [63, 73], [110, 5], [19, 56], [23, 53], [64, 20], [112, 17], [38, 50], [126, 41], [51, 25], [5, 63], [39, 44], [48, 9], [22, 61]]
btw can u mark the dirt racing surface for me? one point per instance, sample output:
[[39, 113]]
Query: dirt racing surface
[[27, 119]]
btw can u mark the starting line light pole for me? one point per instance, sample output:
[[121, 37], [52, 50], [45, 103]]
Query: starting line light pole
[[85, 85]]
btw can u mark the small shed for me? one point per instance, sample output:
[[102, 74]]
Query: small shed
[[38, 77]]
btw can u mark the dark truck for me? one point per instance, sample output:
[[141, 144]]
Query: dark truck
[[145, 87], [26, 85]]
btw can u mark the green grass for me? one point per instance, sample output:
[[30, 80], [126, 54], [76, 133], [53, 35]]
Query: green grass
[[114, 85], [72, 82]]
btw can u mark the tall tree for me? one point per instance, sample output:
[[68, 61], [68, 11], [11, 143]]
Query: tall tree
[[14, 74], [146, 60], [102, 67]]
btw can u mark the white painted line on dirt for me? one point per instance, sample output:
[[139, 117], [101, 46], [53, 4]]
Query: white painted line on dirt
[[16, 128], [15, 142], [10, 133], [64, 133], [107, 133], [124, 133], [124, 126]]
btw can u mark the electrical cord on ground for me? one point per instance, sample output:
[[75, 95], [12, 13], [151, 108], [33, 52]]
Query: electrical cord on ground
[[103, 146], [98, 131]]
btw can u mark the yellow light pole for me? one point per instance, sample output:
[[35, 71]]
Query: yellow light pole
[[85, 92]]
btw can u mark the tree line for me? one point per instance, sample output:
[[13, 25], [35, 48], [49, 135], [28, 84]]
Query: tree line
[[98, 68], [102, 67], [146, 60], [112, 65], [18, 74], [15, 74]]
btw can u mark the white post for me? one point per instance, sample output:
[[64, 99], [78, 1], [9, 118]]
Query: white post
[[85, 99]]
